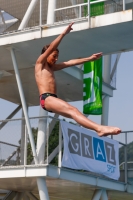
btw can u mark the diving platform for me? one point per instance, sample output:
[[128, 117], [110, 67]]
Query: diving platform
[[62, 183]]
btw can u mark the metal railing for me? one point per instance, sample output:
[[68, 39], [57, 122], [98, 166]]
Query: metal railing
[[11, 137], [126, 145], [84, 10], [38, 17]]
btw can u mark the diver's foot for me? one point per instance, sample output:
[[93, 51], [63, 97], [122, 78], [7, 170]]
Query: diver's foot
[[108, 130]]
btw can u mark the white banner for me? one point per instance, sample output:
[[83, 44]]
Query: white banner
[[84, 149]]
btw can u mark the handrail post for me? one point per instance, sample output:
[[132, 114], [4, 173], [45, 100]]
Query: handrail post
[[126, 158], [25, 147], [40, 12], [60, 146], [89, 18], [80, 11], [123, 4]]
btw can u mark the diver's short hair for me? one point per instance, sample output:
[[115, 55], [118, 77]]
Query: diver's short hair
[[46, 47]]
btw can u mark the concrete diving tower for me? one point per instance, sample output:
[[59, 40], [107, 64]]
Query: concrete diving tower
[[19, 49]]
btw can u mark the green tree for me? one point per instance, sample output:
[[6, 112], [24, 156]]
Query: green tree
[[52, 144], [29, 150]]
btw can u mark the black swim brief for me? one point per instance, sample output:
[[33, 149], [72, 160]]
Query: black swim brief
[[43, 97]]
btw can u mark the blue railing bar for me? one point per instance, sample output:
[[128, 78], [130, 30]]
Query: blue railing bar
[[122, 143], [9, 144], [130, 162], [125, 157], [126, 131]]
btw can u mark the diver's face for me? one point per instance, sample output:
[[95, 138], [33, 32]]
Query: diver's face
[[53, 57]]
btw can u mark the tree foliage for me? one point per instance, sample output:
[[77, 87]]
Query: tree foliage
[[29, 150], [52, 144]]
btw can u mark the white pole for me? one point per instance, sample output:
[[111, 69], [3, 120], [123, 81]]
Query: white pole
[[106, 78], [40, 12], [42, 187], [125, 155], [28, 14], [23, 104], [105, 111], [22, 140], [41, 142], [60, 146], [97, 195], [41, 138], [104, 195], [89, 12], [50, 13], [25, 147], [123, 4], [106, 68], [32, 197]]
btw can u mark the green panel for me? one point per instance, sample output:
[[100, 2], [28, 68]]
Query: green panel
[[95, 9], [92, 91]]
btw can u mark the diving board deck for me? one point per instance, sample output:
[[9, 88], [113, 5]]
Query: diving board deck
[[62, 183]]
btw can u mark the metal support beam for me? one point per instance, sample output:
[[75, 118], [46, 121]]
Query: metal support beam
[[28, 14], [106, 78], [106, 68], [32, 196], [104, 195], [25, 146], [125, 155], [43, 192], [41, 142], [10, 116], [42, 136], [18, 196], [7, 160], [40, 12], [22, 140], [23, 104], [104, 118], [115, 66], [3, 20], [89, 17], [42, 122], [124, 5], [50, 13], [60, 146], [10, 195], [97, 195], [26, 197]]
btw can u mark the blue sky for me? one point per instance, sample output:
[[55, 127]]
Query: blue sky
[[120, 106]]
